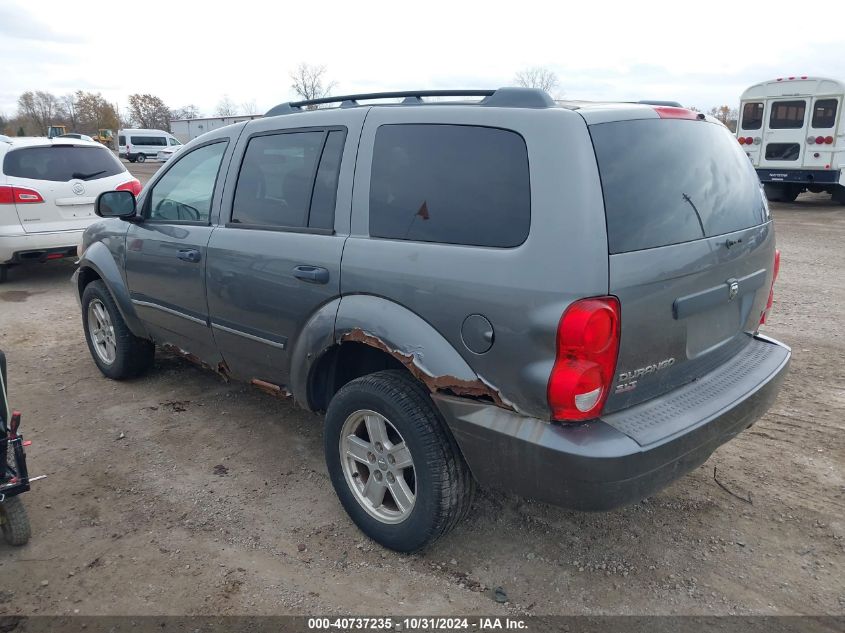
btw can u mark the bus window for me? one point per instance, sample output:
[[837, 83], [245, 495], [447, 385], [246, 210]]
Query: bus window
[[787, 115], [824, 113], [752, 116]]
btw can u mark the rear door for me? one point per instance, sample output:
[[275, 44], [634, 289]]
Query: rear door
[[821, 134], [67, 177], [691, 250], [276, 258], [786, 131]]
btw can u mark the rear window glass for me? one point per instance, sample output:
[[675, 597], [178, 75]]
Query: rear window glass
[[824, 113], [672, 181], [452, 184], [782, 151], [787, 115], [61, 163], [752, 116]]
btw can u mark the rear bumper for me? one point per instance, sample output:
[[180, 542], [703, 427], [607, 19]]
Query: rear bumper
[[16, 249], [799, 176], [625, 456]]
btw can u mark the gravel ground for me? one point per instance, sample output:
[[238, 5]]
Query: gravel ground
[[178, 493]]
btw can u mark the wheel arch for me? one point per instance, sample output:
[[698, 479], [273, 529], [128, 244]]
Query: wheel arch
[[98, 263], [372, 333]]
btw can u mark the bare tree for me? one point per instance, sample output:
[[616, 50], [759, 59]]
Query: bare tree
[[538, 77], [225, 107], [95, 113], [40, 108], [309, 82], [69, 105], [249, 107], [149, 111], [189, 111]]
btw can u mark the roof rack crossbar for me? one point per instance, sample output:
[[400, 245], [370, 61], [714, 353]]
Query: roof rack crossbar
[[504, 97]]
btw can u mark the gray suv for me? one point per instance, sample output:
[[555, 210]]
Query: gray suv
[[561, 301]]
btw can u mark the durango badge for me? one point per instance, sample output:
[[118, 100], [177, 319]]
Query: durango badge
[[628, 379]]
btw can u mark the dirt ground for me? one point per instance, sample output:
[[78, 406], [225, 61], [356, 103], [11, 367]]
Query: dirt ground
[[178, 493]]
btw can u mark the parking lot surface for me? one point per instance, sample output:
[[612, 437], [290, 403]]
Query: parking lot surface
[[178, 493]]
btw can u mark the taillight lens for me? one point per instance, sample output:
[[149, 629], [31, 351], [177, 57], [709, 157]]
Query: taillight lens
[[741, 140], [771, 301], [748, 140], [819, 140], [9, 194], [587, 348], [828, 140], [133, 185]]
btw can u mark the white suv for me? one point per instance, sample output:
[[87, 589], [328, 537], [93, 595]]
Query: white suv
[[47, 193]]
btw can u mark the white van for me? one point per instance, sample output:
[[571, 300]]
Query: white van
[[139, 145], [793, 131]]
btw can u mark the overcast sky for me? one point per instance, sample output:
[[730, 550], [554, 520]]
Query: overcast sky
[[195, 52]]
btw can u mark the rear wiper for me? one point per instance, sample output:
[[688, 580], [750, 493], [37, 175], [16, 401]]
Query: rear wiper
[[79, 176]]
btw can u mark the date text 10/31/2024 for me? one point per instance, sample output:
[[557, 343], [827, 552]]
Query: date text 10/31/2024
[[417, 624]]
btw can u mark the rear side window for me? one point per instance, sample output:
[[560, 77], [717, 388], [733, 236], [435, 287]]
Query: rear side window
[[752, 116], [672, 181], [289, 180], [450, 183], [121, 140], [150, 141], [824, 113], [787, 115], [61, 163]]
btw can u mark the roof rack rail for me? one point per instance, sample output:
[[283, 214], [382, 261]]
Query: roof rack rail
[[503, 97]]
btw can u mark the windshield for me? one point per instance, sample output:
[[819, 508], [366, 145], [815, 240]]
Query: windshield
[[672, 181]]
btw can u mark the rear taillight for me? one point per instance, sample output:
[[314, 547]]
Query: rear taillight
[[828, 140], [10, 194], [587, 348], [741, 140], [133, 185], [771, 301]]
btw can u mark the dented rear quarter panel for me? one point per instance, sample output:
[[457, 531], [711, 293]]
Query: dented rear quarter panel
[[522, 291]]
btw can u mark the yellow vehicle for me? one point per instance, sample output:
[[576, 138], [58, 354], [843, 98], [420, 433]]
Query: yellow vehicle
[[105, 136], [56, 130]]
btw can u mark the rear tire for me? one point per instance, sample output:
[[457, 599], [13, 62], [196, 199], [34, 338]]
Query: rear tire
[[141, 158], [838, 195], [4, 273], [413, 432], [16, 528], [116, 351]]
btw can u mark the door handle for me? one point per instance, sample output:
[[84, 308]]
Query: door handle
[[189, 255], [311, 274]]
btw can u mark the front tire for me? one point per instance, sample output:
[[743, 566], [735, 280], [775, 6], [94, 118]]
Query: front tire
[[16, 528], [116, 351], [141, 158], [394, 465]]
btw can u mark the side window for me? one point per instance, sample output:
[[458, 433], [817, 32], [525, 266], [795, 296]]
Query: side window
[[787, 115], [276, 180], [325, 186], [450, 183], [121, 140], [184, 193], [824, 113], [752, 116]]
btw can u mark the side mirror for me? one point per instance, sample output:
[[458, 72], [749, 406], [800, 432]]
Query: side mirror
[[115, 204]]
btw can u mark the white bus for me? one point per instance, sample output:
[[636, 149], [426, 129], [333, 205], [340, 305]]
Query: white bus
[[793, 131]]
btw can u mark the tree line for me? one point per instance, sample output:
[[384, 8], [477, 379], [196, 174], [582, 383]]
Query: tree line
[[89, 112]]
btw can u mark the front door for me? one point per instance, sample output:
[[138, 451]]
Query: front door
[[165, 253]]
